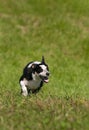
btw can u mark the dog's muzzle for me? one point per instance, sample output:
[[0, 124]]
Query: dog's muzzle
[[44, 78]]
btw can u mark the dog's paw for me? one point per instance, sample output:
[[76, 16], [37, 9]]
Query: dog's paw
[[25, 93]]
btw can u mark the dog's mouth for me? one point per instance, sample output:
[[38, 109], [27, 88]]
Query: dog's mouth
[[44, 79]]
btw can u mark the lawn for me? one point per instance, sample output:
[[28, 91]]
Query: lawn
[[59, 30]]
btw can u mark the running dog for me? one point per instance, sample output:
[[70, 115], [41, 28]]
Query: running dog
[[33, 77]]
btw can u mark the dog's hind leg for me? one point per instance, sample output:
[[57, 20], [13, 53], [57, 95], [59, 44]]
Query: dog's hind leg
[[28, 91], [24, 90]]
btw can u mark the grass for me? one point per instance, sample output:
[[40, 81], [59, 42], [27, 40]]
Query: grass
[[59, 30]]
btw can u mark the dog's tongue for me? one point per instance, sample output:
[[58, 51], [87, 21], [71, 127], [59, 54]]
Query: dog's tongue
[[46, 80]]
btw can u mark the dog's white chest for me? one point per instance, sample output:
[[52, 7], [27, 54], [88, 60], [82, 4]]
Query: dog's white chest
[[33, 84]]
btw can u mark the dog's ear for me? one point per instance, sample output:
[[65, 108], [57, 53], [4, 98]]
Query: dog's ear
[[34, 66], [43, 60]]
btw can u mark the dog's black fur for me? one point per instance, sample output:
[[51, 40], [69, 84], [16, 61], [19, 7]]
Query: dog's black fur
[[33, 77]]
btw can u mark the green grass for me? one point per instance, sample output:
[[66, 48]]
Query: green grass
[[59, 30]]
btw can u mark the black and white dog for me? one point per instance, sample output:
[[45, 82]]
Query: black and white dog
[[33, 77]]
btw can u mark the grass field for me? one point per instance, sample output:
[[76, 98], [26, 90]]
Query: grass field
[[59, 30]]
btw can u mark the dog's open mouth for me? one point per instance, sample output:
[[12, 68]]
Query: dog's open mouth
[[45, 79]]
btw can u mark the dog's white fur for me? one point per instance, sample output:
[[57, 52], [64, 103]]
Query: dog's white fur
[[34, 81]]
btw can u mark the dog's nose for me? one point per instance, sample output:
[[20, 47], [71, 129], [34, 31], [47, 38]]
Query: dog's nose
[[47, 73]]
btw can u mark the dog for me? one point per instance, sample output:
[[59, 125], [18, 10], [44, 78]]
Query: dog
[[33, 77]]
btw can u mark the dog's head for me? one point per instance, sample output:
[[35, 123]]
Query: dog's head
[[41, 70]]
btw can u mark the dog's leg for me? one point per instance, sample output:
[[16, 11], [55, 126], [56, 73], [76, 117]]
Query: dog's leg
[[28, 91], [23, 88]]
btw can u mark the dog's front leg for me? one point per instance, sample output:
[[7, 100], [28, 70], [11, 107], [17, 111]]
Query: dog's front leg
[[23, 88]]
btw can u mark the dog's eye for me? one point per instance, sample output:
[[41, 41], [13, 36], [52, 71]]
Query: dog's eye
[[38, 69]]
